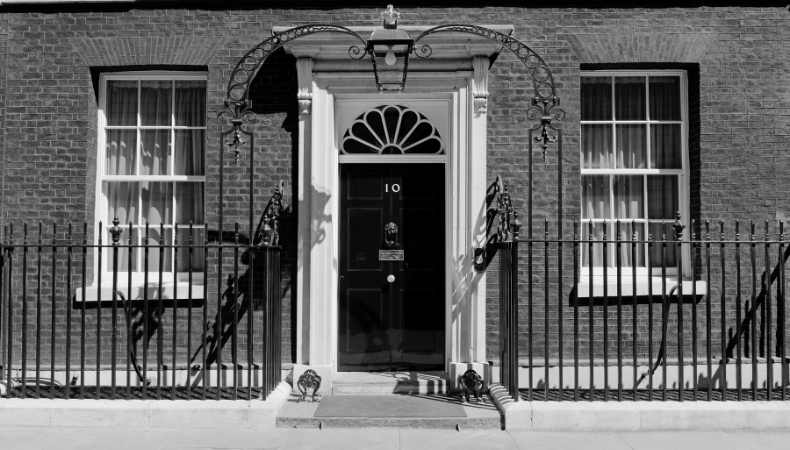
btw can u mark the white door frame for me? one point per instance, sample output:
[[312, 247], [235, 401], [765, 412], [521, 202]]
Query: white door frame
[[465, 166], [442, 105]]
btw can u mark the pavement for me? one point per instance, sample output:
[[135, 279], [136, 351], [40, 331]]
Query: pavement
[[143, 425], [34, 437]]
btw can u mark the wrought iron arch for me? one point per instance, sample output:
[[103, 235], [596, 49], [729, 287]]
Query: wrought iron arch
[[248, 66], [545, 102], [544, 108], [238, 107], [544, 105], [542, 77]]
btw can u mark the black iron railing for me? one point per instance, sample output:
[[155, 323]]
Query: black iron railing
[[698, 315], [503, 227], [139, 319]]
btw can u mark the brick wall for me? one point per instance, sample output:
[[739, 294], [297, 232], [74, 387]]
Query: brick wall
[[739, 171]]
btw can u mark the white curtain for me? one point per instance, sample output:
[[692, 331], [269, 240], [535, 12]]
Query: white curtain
[[597, 146], [155, 102], [629, 98], [147, 202], [189, 152], [189, 209], [154, 152], [665, 146], [122, 103], [121, 145], [665, 98], [631, 146], [596, 98], [121, 152], [627, 192], [190, 102]]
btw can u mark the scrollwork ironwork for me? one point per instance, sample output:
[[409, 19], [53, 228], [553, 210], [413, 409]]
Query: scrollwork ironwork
[[248, 66], [545, 103], [508, 217], [308, 381], [678, 227], [268, 231], [472, 384], [542, 77], [356, 52], [239, 114], [546, 111], [423, 51], [502, 223]]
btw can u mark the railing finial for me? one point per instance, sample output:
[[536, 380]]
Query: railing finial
[[678, 227], [115, 231]]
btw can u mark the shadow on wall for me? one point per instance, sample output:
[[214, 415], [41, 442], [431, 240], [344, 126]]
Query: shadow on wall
[[273, 93]]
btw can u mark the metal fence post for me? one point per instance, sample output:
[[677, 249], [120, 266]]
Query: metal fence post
[[513, 363], [2, 304], [115, 232]]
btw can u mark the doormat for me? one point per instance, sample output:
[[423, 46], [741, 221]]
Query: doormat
[[372, 406]]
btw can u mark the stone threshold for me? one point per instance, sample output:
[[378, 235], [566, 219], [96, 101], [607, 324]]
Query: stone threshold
[[432, 413]]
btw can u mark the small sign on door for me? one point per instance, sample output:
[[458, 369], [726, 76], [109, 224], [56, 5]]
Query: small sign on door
[[390, 255]]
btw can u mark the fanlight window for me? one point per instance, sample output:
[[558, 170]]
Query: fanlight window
[[392, 130]]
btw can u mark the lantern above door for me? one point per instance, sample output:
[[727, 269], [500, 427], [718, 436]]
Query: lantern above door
[[389, 49]]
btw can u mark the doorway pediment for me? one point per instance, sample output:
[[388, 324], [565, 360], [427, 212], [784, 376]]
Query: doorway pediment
[[451, 51]]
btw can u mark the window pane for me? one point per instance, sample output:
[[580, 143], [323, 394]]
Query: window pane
[[155, 252], [121, 152], [665, 150], [662, 196], [664, 98], [630, 247], [190, 103], [189, 152], [596, 98], [661, 252], [597, 146], [629, 98], [154, 152], [195, 260], [121, 201], [157, 202], [597, 244], [628, 197], [123, 251], [122, 103], [155, 102], [189, 203], [631, 146], [595, 196]]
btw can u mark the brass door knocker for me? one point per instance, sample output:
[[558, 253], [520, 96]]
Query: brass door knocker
[[391, 235]]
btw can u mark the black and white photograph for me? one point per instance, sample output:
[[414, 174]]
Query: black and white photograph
[[252, 224]]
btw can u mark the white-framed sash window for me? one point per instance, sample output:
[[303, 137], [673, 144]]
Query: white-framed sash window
[[634, 166], [151, 171]]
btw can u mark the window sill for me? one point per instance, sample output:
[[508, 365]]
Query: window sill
[[92, 294], [693, 291]]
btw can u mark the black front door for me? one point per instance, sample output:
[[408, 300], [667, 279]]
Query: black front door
[[391, 295]]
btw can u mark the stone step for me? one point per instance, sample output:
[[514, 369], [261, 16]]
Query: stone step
[[436, 423], [408, 387], [408, 411], [384, 383]]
